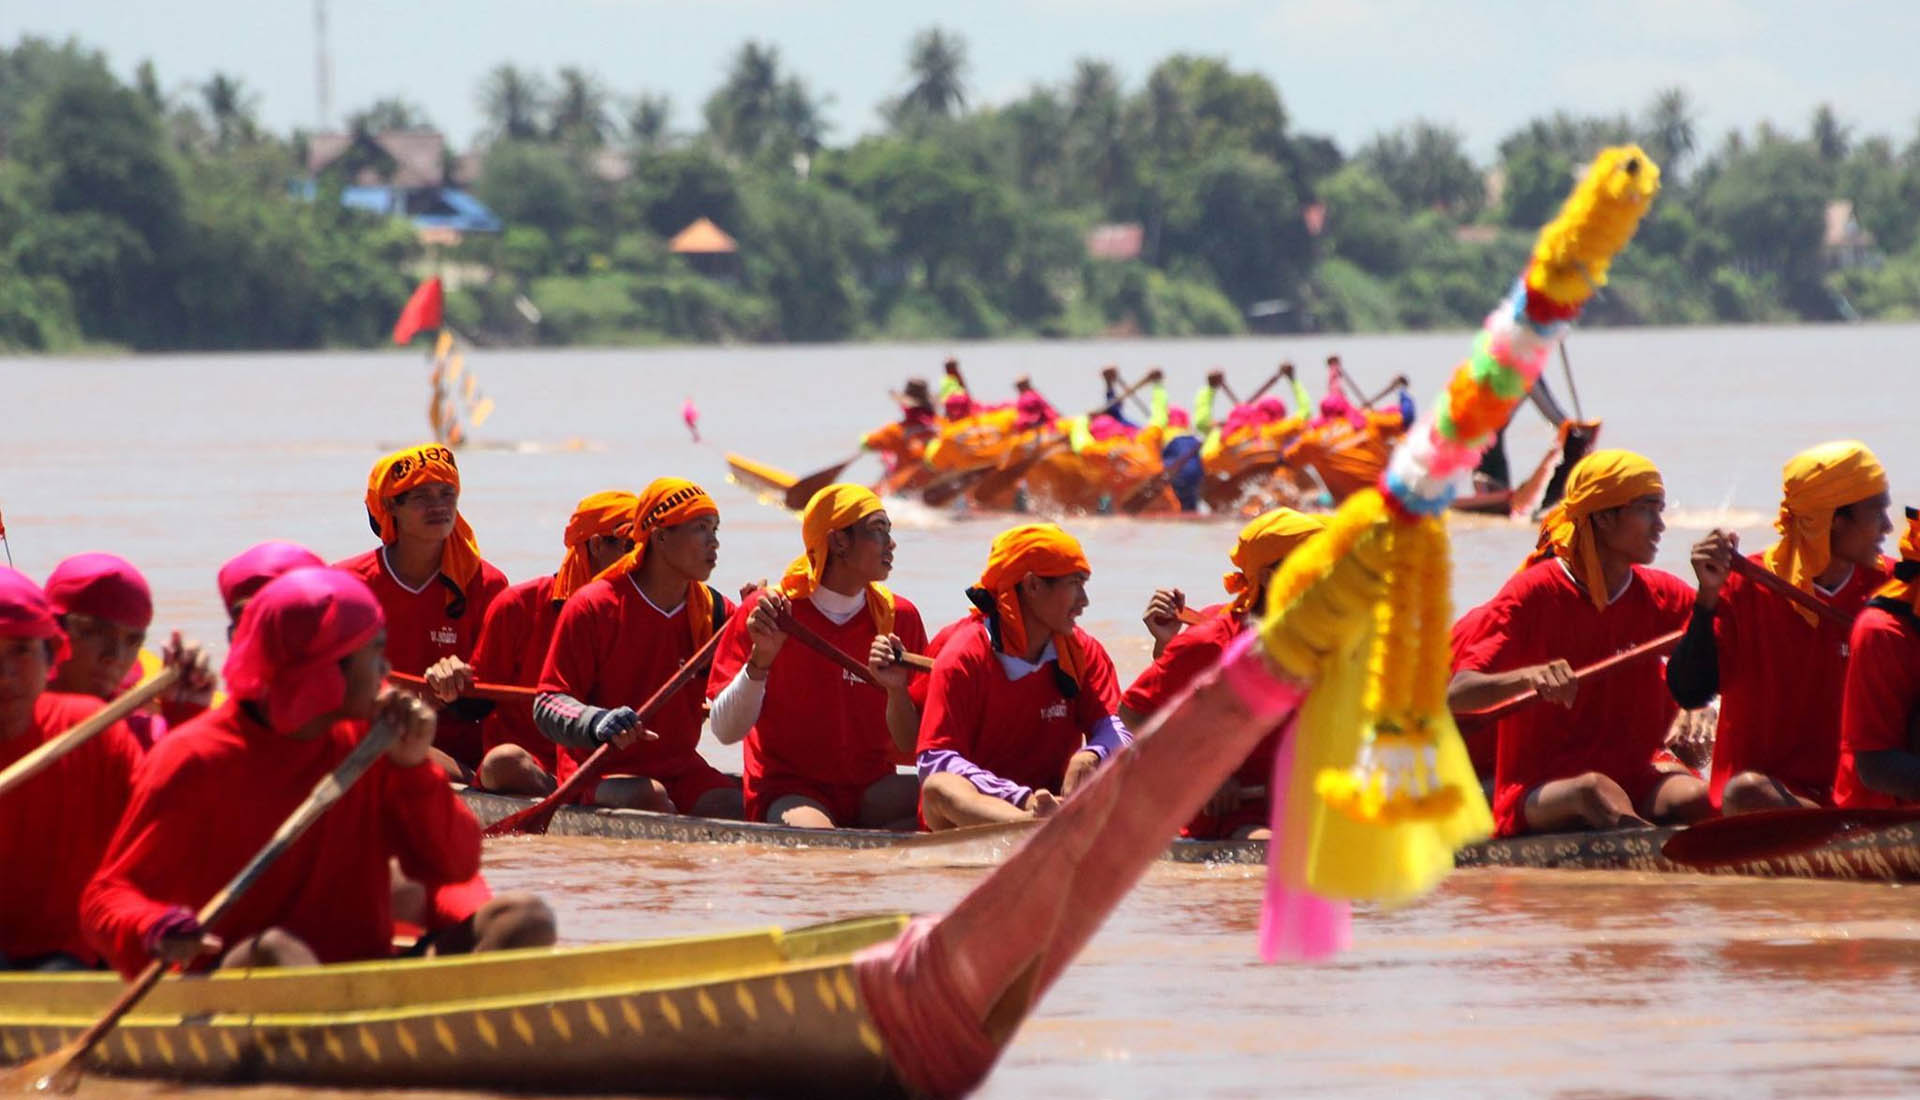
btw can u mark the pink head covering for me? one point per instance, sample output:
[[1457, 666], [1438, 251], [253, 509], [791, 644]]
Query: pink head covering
[[1104, 427], [1178, 418], [104, 586], [1271, 409], [250, 572], [25, 612], [294, 633], [1335, 406], [958, 406]]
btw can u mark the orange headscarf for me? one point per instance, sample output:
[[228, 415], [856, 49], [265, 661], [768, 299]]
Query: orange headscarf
[[408, 469], [1602, 480], [608, 513], [1903, 588], [669, 502], [1038, 548], [1265, 541], [831, 509], [1816, 483]]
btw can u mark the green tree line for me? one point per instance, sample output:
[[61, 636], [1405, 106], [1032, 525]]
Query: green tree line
[[149, 218]]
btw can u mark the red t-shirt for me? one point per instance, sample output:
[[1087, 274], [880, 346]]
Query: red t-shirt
[[1877, 707], [420, 631], [1616, 725], [1780, 684], [817, 721], [1023, 730], [208, 797], [1190, 653], [513, 646], [55, 827], [1482, 738], [613, 648]]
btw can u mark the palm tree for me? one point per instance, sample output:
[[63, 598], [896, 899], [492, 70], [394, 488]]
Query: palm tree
[[391, 113], [580, 109], [756, 114], [230, 107], [1097, 140], [647, 120], [937, 62], [1670, 129], [513, 102], [1830, 136]]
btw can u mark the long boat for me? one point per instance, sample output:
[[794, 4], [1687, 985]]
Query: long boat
[[739, 1013], [1889, 854]]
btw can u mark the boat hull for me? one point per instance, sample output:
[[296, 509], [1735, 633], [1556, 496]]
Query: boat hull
[[749, 1013], [1873, 855]]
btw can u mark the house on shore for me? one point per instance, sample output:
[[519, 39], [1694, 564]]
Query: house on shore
[[401, 174]]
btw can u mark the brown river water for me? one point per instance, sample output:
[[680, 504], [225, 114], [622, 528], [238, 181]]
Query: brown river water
[[1501, 983]]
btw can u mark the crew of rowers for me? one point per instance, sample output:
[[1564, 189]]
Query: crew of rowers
[[1159, 458], [108, 850]]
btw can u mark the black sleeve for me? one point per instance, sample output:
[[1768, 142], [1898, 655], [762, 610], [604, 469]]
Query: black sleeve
[[1693, 671]]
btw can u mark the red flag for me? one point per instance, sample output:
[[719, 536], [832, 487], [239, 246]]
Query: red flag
[[422, 312]]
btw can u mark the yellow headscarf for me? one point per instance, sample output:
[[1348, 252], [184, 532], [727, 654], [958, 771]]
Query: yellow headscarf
[[411, 468], [669, 502], [1043, 550], [609, 513], [1602, 480], [831, 509], [1818, 481], [1267, 540]]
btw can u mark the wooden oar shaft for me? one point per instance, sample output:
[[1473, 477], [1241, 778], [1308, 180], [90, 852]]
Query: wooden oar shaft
[[1767, 579], [129, 701], [57, 1070], [1598, 668], [807, 636], [534, 818], [1272, 381], [499, 693]]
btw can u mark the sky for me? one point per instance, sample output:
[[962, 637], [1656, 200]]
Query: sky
[[1346, 68]]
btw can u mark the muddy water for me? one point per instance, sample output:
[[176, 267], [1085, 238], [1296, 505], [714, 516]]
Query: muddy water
[[1502, 983]]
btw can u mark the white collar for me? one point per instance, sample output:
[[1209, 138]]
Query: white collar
[[1611, 596], [664, 612], [1844, 581], [838, 609], [395, 577], [1018, 668]]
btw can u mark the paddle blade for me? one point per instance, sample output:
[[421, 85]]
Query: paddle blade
[[57, 1073], [532, 821], [943, 491], [1771, 834], [758, 477], [801, 492]]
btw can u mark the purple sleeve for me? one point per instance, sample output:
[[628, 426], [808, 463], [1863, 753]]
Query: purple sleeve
[[1108, 736], [984, 781]]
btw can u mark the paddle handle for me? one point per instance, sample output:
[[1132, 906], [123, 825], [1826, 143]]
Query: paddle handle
[[1767, 579], [325, 794], [498, 693], [534, 818], [806, 636], [1272, 381], [43, 757], [1598, 668]]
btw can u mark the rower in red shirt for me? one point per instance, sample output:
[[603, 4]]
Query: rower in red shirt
[[1263, 544], [55, 826], [626, 634], [305, 667], [446, 917], [1780, 669], [821, 744], [1880, 702], [517, 634], [105, 608], [1588, 594], [1020, 707], [431, 583]]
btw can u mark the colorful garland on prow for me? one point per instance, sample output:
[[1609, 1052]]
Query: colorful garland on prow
[[1382, 563]]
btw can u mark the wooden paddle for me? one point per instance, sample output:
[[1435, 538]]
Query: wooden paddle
[[1770, 834], [1595, 670], [1007, 476], [129, 701], [1272, 381], [943, 489], [806, 636], [60, 1071], [1767, 579], [801, 491], [498, 693], [533, 820]]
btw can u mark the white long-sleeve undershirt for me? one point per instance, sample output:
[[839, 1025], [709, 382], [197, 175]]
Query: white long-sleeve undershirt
[[737, 707]]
